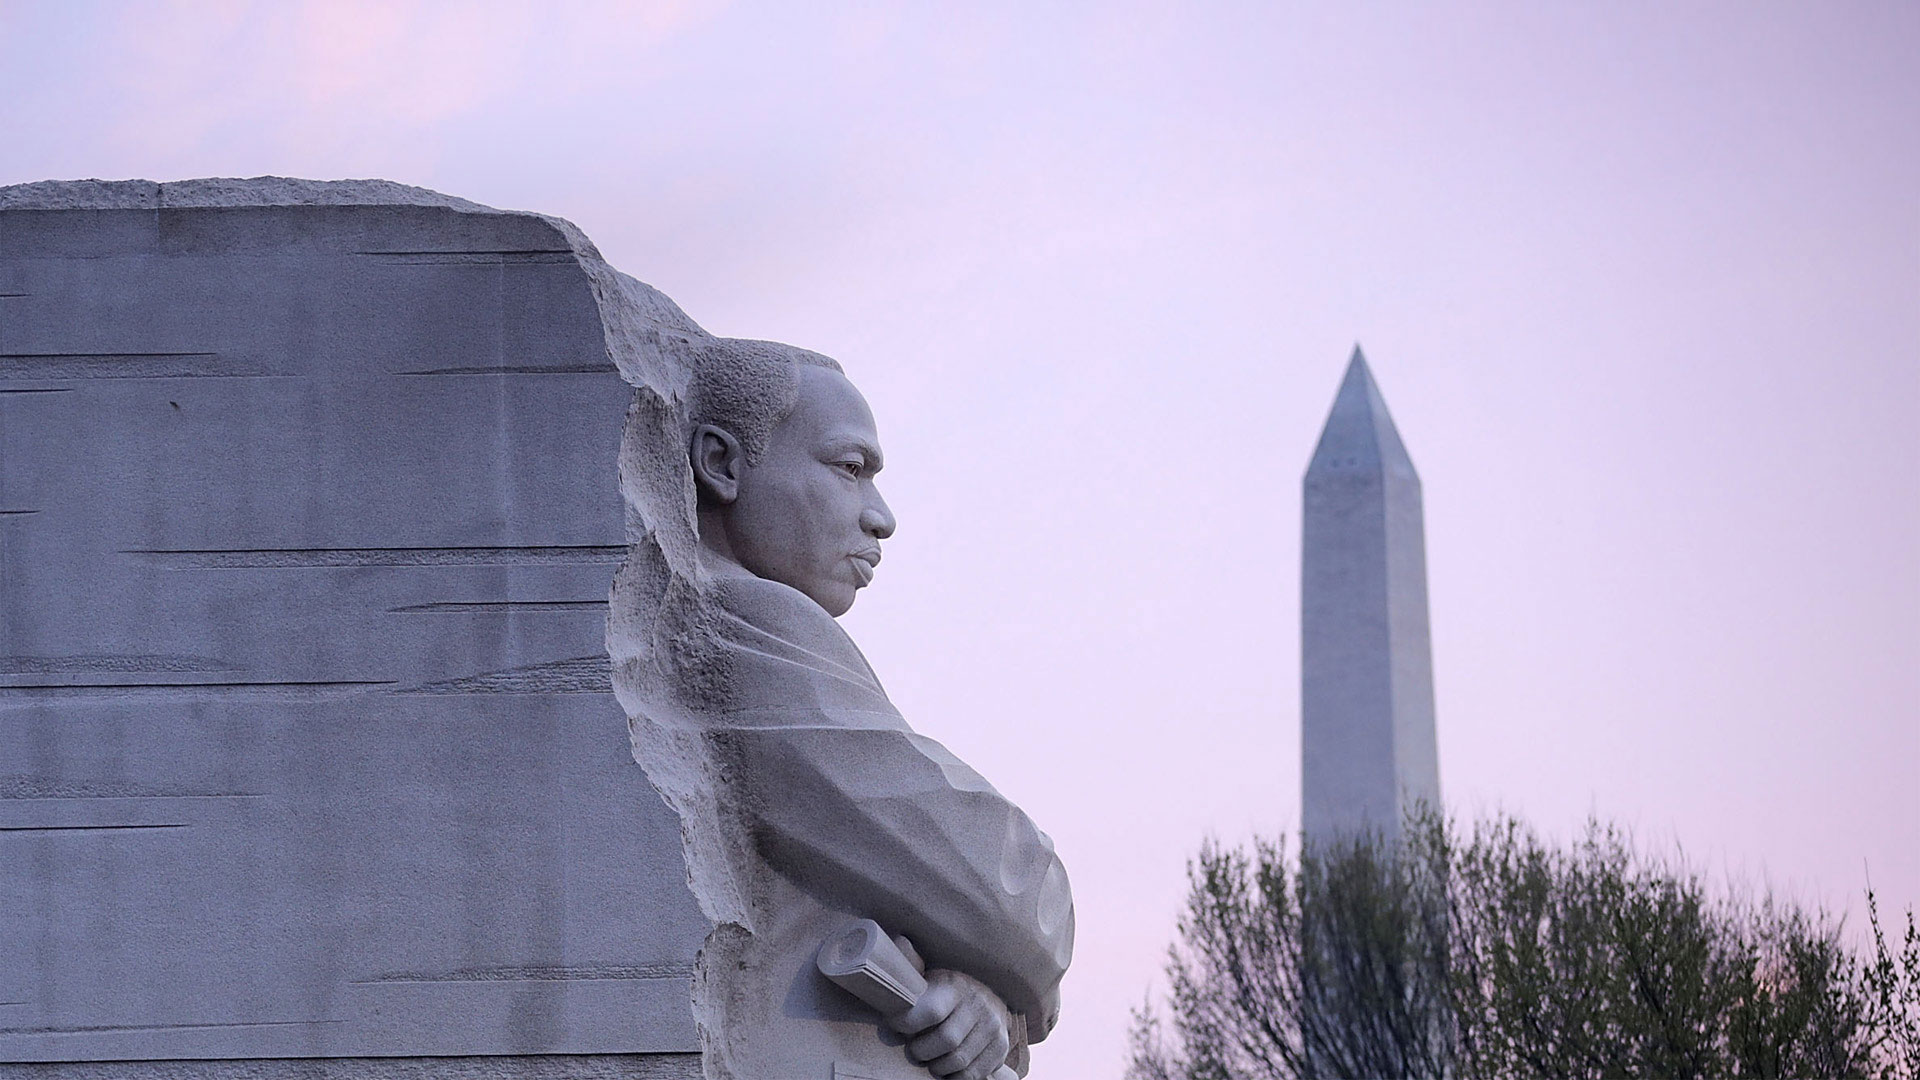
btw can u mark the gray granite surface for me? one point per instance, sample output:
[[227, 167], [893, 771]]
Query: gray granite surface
[[308, 750], [525, 1067]]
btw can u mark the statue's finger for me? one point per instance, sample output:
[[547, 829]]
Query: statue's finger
[[969, 1059], [934, 1006], [1001, 1046], [912, 954], [943, 1039]]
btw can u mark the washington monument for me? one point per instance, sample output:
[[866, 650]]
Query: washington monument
[[1366, 672]]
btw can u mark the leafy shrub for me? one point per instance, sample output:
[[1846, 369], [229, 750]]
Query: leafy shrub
[[1497, 955]]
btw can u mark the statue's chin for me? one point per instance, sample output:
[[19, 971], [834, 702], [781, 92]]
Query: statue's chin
[[837, 599]]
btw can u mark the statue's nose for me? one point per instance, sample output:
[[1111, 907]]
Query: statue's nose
[[876, 520]]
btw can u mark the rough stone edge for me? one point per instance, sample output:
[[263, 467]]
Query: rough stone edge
[[673, 1066], [217, 192], [653, 344]]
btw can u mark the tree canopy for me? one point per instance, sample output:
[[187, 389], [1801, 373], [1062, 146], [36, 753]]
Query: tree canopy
[[1492, 953]]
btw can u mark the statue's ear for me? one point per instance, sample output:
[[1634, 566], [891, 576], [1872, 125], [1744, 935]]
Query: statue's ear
[[718, 459]]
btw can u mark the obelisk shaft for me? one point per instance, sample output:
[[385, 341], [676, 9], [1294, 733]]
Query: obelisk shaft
[[1367, 732]]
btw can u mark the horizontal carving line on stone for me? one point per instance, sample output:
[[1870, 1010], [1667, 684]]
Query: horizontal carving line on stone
[[275, 558], [564, 369], [89, 828], [476, 257], [29, 787], [581, 675], [469, 251], [459, 607], [186, 365], [611, 973], [92, 1029], [297, 691], [17, 513], [134, 663], [37, 390]]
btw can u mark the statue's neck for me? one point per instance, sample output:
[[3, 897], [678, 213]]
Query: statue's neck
[[716, 548]]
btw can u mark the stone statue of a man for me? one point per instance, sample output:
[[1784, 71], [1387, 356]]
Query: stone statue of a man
[[807, 802]]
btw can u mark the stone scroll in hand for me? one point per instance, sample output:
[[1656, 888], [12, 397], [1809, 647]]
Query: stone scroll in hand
[[864, 961]]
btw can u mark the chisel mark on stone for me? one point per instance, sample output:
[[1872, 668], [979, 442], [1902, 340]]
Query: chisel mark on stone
[[474, 257], [292, 691], [563, 369], [273, 558], [621, 973], [582, 675], [89, 665], [16, 829], [33, 787], [88, 1029], [185, 365], [505, 606]]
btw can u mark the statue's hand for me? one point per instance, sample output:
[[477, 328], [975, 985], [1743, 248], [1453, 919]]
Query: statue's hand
[[958, 1029]]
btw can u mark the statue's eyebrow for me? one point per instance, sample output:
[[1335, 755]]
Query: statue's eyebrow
[[875, 460]]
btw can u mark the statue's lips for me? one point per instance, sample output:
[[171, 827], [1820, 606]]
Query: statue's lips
[[864, 563]]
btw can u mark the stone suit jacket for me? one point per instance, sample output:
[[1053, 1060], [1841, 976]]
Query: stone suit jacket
[[855, 815]]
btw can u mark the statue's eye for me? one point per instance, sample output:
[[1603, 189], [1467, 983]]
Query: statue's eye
[[852, 468]]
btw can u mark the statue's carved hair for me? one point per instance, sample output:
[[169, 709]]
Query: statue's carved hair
[[746, 387]]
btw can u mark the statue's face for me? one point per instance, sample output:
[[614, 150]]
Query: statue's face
[[807, 513]]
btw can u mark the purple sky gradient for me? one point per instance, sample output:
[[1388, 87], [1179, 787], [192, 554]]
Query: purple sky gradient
[[1641, 284]]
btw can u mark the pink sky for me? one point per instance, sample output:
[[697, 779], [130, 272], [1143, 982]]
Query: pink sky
[[1641, 284]]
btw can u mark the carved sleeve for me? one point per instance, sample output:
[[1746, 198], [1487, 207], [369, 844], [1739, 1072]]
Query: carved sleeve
[[890, 825]]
